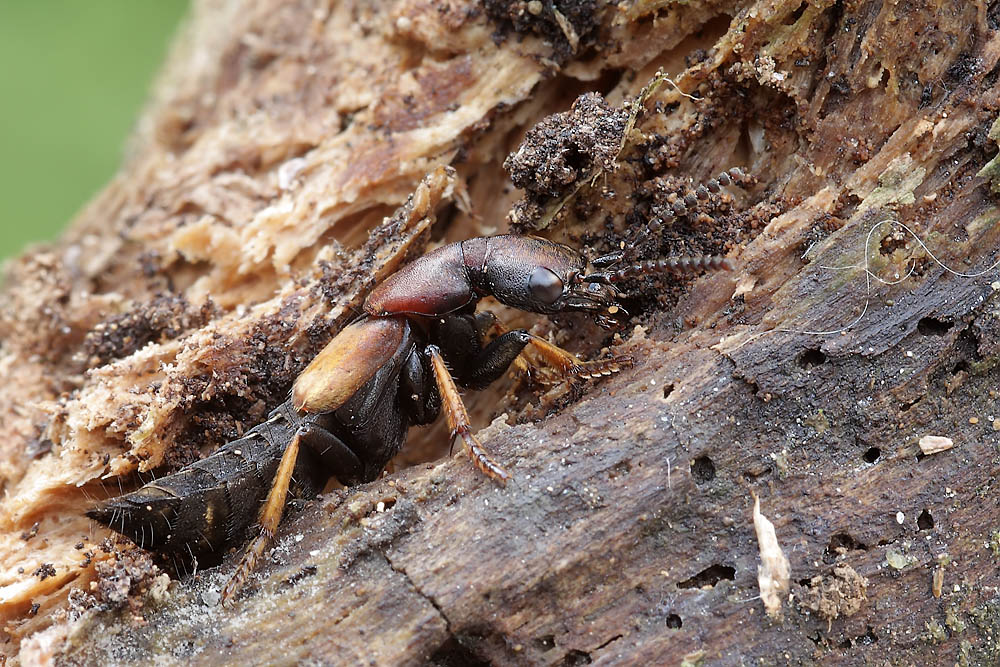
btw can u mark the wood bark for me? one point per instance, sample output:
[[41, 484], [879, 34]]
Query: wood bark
[[295, 153]]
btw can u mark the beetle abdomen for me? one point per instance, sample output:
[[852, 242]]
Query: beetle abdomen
[[209, 504]]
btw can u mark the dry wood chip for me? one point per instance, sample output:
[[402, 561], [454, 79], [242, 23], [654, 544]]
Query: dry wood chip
[[774, 571], [932, 444]]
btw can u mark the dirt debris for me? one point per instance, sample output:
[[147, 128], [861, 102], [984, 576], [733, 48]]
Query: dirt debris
[[561, 150], [563, 147], [841, 593], [569, 25], [126, 579], [163, 318]]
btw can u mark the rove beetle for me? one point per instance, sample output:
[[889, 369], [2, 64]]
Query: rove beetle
[[351, 407]]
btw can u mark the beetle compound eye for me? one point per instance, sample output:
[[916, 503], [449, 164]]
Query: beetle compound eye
[[545, 285]]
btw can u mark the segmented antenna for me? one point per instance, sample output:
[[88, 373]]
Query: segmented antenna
[[678, 266], [668, 212], [689, 201]]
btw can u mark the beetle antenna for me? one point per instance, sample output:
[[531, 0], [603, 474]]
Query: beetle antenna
[[682, 205], [608, 260], [679, 266]]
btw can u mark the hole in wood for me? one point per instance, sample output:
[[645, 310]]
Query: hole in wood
[[812, 358], [576, 657], [841, 543], [545, 642], [709, 577], [703, 470], [929, 326], [866, 639], [620, 469], [452, 652]]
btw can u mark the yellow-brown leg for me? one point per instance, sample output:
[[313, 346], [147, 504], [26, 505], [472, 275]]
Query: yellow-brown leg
[[270, 516], [565, 365], [560, 365], [458, 419]]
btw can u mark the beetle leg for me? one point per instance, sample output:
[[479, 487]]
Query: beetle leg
[[458, 419], [338, 459], [416, 393], [556, 364], [270, 515], [491, 328], [565, 365], [494, 359], [478, 348]]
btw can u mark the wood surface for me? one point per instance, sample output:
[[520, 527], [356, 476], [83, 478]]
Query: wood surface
[[295, 153]]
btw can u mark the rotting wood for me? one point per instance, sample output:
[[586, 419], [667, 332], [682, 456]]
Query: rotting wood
[[281, 135]]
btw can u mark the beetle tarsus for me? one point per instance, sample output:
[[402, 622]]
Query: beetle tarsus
[[562, 365], [598, 368], [458, 419]]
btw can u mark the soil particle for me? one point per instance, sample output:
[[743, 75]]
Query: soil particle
[[561, 152], [841, 593], [564, 147], [161, 319], [125, 580], [567, 24]]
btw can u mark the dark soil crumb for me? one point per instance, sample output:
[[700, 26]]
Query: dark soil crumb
[[80, 602], [839, 594], [44, 571], [567, 24], [28, 534], [163, 318], [564, 148]]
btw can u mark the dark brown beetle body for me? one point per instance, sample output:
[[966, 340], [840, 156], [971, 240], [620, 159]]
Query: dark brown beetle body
[[351, 407], [523, 272]]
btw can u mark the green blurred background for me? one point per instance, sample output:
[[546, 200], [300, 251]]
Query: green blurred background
[[73, 78]]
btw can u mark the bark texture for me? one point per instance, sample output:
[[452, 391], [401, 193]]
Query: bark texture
[[297, 152]]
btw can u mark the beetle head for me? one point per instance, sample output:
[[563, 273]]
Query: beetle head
[[542, 276], [593, 294]]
